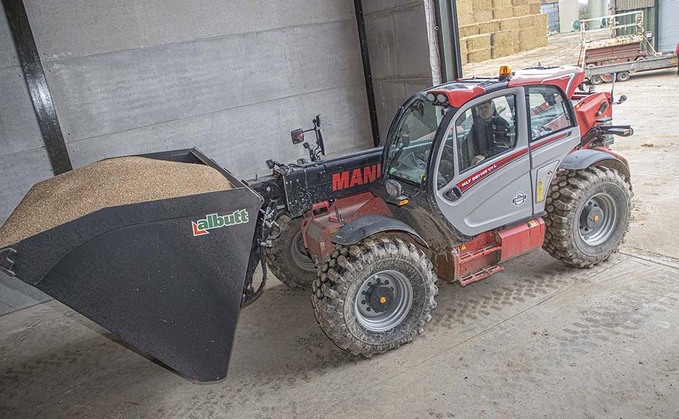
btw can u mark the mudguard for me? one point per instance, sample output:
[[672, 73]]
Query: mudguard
[[584, 158], [363, 227], [140, 271]]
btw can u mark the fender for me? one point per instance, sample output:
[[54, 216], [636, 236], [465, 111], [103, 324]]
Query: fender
[[584, 158], [367, 226]]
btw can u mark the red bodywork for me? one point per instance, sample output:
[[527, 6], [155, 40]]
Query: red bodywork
[[593, 107], [324, 220], [481, 256], [568, 78]]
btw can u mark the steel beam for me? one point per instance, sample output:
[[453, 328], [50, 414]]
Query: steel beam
[[449, 39], [367, 72], [29, 58]]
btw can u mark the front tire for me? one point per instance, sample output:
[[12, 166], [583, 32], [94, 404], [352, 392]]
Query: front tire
[[374, 296], [588, 215], [288, 259]]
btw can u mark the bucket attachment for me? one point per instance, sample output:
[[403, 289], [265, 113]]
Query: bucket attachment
[[166, 276]]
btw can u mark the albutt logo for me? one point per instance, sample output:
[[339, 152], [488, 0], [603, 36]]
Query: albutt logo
[[212, 221]]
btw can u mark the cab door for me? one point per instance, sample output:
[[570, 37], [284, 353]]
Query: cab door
[[554, 133], [482, 175]]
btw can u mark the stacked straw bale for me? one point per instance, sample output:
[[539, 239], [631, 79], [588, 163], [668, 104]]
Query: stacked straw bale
[[498, 28]]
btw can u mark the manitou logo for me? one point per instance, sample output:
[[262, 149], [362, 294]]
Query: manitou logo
[[356, 177], [212, 221]]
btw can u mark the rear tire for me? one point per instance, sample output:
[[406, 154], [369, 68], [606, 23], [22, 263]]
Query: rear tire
[[288, 259], [374, 296], [588, 215], [622, 76]]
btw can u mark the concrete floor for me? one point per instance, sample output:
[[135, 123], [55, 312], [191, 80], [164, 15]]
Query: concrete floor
[[539, 339]]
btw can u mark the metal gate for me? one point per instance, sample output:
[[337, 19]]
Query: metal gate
[[668, 30]]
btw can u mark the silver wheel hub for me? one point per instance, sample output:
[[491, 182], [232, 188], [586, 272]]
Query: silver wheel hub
[[597, 219], [383, 301]]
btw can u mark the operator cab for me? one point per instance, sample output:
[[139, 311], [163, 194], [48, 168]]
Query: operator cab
[[411, 136], [475, 150]]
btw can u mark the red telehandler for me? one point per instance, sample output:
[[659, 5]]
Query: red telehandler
[[472, 173]]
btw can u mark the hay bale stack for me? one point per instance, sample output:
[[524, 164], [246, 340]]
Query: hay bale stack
[[483, 10], [503, 13], [465, 13], [540, 21], [526, 22], [489, 27], [478, 42], [513, 25], [479, 55], [468, 30], [505, 43], [522, 10], [502, 4], [477, 47], [510, 23], [108, 183], [532, 38]]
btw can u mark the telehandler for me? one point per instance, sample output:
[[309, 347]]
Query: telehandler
[[473, 172]]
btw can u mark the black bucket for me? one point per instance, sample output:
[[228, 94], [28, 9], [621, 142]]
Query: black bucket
[[149, 275]]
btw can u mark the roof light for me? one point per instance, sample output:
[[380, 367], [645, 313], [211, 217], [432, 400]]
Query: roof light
[[431, 97], [441, 98], [505, 72]]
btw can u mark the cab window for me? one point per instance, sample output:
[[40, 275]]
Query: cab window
[[411, 142], [485, 130], [548, 111]]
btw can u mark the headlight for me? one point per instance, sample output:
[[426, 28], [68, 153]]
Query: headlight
[[394, 189]]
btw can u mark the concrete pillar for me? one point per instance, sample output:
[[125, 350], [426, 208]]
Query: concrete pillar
[[595, 8], [568, 13]]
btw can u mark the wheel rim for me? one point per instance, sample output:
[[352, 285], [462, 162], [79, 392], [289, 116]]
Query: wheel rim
[[300, 255], [597, 219], [596, 79], [622, 76], [383, 301]]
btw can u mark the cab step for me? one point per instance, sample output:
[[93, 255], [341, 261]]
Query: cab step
[[481, 274]]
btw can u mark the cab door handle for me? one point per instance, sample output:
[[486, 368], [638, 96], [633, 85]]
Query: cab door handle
[[453, 194]]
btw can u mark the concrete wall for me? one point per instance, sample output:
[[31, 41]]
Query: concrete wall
[[232, 78], [399, 53]]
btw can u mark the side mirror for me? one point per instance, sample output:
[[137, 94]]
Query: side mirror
[[297, 136], [622, 99]]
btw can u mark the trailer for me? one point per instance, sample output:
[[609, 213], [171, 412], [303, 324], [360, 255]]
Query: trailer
[[618, 46], [622, 71]]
